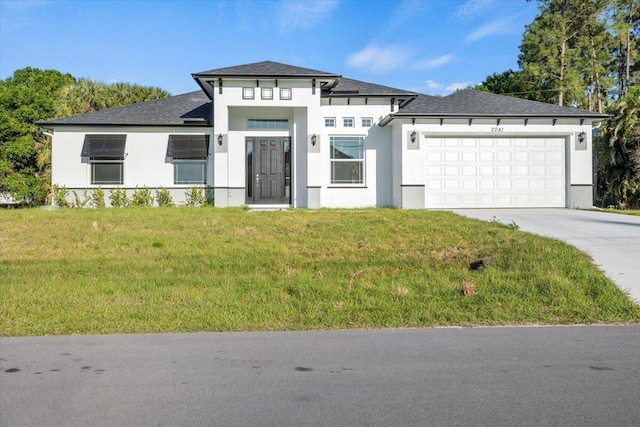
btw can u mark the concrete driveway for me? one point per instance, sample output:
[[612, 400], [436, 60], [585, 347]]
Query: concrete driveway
[[612, 240]]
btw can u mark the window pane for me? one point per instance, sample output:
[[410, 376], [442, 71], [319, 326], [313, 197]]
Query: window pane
[[346, 172], [268, 124], [347, 122], [247, 93], [189, 172], [285, 93], [330, 122], [366, 122], [267, 93], [106, 173], [347, 147]]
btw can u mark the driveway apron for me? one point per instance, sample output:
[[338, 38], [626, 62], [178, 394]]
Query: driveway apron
[[612, 240]]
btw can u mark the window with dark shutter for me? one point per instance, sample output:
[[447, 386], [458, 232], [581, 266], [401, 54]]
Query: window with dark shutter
[[188, 146], [106, 155], [104, 146], [188, 153]]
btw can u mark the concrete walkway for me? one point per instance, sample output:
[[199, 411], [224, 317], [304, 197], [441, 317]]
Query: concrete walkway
[[612, 240]]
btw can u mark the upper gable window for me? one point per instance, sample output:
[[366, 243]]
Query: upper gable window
[[367, 122], [347, 122], [247, 93], [285, 93], [267, 93]]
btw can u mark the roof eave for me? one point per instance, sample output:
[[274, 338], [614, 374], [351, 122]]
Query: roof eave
[[187, 124], [368, 95], [269, 76]]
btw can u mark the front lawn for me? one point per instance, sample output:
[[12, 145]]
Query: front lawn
[[139, 270]]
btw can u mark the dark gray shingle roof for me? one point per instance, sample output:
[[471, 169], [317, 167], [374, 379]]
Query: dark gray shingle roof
[[350, 87], [474, 103], [191, 108], [265, 69]]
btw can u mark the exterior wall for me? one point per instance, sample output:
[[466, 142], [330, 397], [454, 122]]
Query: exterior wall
[[394, 166], [145, 160], [577, 156], [231, 113], [377, 187]]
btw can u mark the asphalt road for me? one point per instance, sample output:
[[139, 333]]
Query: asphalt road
[[612, 240], [506, 376]]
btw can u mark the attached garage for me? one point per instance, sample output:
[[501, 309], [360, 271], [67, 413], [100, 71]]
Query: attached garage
[[474, 149], [485, 172]]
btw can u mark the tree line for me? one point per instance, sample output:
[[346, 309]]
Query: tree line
[[32, 95], [586, 54]]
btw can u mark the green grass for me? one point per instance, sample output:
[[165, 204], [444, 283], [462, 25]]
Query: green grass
[[141, 270], [620, 211]]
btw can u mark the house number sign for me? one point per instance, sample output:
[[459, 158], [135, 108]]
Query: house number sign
[[497, 129]]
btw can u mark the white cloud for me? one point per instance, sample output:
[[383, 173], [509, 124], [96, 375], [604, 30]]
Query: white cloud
[[303, 14], [496, 27], [457, 85], [433, 85], [428, 64], [379, 59], [472, 8]]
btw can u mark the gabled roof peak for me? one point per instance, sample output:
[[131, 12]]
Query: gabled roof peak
[[265, 69]]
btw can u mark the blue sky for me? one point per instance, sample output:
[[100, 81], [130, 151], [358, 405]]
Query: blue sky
[[427, 46]]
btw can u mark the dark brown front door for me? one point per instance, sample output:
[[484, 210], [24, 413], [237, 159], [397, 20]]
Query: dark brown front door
[[267, 170]]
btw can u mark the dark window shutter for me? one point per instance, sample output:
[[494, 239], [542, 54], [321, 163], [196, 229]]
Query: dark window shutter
[[188, 146], [104, 146]]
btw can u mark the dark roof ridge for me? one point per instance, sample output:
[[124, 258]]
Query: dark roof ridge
[[264, 69]]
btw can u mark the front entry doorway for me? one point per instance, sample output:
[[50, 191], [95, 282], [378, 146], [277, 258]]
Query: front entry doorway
[[268, 170]]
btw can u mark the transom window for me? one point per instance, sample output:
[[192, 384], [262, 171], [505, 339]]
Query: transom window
[[347, 122], [347, 159], [267, 93], [329, 122], [268, 124], [285, 93], [367, 122], [247, 93]]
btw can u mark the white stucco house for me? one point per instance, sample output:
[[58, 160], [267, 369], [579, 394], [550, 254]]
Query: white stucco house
[[278, 135]]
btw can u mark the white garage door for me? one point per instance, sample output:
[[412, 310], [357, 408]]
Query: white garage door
[[495, 172]]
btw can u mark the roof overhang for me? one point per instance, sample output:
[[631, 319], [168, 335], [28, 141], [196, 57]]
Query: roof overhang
[[596, 117]]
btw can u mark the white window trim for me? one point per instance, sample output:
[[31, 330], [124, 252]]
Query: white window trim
[[362, 184], [344, 124], [366, 118], [330, 118], [102, 161], [204, 170]]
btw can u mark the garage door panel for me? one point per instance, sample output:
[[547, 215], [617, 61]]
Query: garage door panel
[[500, 172]]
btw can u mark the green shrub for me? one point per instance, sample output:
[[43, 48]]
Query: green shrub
[[59, 196], [195, 196], [163, 197], [142, 197], [97, 198], [118, 198], [80, 203]]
